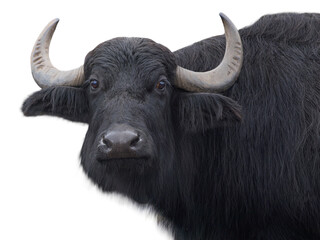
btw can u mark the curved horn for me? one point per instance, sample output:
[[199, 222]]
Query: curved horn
[[224, 75], [44, 73]]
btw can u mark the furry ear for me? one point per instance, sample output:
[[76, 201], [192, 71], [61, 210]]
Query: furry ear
[[196, 112], [67, 102]]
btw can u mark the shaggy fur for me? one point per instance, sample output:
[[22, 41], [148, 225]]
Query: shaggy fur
[[66, 102], [217, 170]]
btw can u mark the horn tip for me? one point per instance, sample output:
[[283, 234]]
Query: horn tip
[[54, 22], [221, 14], [226, 21], [224, 17]]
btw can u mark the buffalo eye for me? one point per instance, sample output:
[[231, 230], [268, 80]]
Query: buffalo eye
[[161, 85], [94, 84]]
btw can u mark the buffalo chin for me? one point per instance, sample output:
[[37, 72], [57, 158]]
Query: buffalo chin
[[132, 177]]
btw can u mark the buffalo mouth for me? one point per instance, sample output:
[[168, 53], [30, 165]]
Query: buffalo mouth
[[105, 156], [138, 164], [124, 160]]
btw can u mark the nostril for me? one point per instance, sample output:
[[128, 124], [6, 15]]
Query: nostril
[[135, 141], [106, 141]]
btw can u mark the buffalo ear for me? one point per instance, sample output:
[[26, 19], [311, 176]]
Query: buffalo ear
[[198, 112], [67, 102]]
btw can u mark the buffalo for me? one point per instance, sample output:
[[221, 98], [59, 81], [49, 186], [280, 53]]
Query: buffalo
[[221, 138]]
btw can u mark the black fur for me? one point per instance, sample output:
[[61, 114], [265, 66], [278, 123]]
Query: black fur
[[203, 111], [218, 170], [66, 102]]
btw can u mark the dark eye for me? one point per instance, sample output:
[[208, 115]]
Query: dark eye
[[94, 83], [161, 85]]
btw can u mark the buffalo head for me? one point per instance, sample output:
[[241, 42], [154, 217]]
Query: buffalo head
[[138, 103]]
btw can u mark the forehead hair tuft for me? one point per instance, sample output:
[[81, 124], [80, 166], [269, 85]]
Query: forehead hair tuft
[[119, 53]]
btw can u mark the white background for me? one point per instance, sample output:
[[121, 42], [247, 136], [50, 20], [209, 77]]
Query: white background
[[43, 191]]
